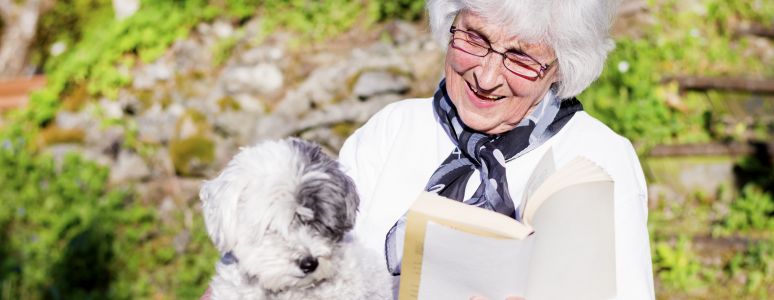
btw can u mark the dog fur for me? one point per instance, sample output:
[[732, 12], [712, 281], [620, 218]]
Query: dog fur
[[276, 211]]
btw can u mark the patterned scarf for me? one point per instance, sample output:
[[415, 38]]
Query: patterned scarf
[[485, 153]]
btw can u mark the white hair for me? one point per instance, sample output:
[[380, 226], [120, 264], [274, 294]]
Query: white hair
[[577, 31]]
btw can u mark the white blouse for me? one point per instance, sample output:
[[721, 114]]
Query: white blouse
[[394, 154]]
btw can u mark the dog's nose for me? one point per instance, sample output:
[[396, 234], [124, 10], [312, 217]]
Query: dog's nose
[[307, 264]]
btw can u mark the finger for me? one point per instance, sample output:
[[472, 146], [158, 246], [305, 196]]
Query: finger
[[514, 298], [478, 298]]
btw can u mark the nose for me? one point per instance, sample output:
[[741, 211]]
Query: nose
[[307, 264], [489, 78]]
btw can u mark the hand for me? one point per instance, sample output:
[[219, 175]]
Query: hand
[[485, 298]]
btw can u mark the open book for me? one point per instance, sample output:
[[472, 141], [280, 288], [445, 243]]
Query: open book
[[564, 249]]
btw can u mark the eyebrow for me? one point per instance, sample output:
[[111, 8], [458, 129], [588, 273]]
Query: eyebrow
[[518, 49]]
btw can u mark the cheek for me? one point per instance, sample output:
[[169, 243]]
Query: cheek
[[523, 88], [458, 63]]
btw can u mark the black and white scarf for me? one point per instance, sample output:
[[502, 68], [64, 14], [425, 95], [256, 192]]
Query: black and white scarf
[[485, 153]]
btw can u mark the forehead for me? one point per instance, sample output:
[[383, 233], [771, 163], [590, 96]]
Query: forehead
[[496, 33]]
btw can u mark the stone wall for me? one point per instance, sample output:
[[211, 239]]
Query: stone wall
[[186, 114]]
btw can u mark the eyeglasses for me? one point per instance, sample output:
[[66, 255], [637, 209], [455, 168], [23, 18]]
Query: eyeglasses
[[517, 62]]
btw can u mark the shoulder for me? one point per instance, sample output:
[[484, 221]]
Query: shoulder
[[392, 121], [585, 127], [409, 110], [375, 138], [586, 136]]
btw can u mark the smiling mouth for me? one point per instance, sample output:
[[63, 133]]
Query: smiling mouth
[[482, 96]]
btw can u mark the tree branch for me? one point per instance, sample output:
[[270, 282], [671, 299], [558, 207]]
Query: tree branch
[[764, 86]]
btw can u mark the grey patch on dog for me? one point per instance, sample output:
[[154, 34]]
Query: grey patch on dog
[[333, 198]]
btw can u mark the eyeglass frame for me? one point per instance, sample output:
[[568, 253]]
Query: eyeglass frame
[[488, 47]]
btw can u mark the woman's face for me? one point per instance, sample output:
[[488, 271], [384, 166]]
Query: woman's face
[[488, 97]]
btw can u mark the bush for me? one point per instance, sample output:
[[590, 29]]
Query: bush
[[67, 235]]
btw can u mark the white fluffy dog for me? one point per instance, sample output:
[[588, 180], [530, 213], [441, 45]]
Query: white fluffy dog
[[279, 214]]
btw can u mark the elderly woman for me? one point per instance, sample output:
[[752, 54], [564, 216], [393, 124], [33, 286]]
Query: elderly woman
[[512, 71]]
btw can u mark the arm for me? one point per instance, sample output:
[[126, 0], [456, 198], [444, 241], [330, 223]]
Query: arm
[[633, 257], [362, 157]]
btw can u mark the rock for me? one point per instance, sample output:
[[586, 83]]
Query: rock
[[155, 126], [222, 29], [188, 191], [187, 129], [107, 141], [237, 125], [111, 109], [263, 54], [327, 138], [192, 148], [166, 209], [74, 120], [250, 104], [162, 164], [263, 78], [147, 76], [128, 167], [181, 241], [225, 149], [688, 175], [59, 151], [190, 55], [401, 32], [125, 8], [175, 110], [374, 83]]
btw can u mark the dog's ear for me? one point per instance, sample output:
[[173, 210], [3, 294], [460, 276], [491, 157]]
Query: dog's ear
[[327, 197], [220, 200]]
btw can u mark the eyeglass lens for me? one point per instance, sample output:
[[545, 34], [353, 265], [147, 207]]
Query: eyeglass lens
[[513, 62]]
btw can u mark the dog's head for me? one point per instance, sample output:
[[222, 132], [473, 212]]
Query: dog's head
[[280, 208]]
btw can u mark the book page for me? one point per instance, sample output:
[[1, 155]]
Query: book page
[[461, 216], [574, 244], [544, 168], [579, 170], [430, 208], [458, 265]]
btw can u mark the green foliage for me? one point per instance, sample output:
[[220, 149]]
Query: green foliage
[[223, 49], [754, 210], [103, 57], [399, 9], [313, 19], [626, 97], [242, 8], [66, 23], [67, 235], [721, 11], [634, 95], [52, 210], [676, 265], [756, 267], [756, 169]]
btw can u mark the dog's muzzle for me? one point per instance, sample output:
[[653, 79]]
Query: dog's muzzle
[[307, 264]]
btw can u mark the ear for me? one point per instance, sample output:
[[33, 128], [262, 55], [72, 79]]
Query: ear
[[327, 197], [220, 201]]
